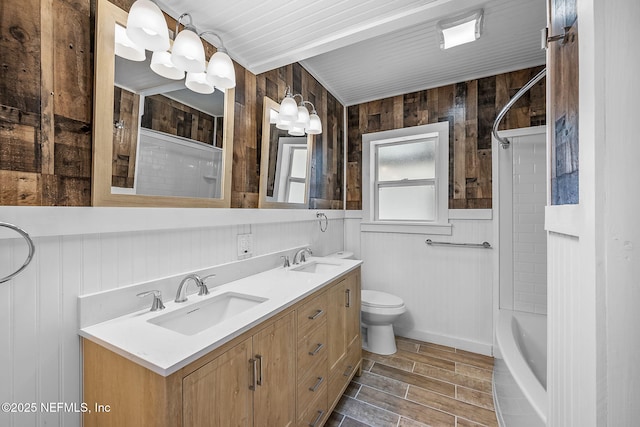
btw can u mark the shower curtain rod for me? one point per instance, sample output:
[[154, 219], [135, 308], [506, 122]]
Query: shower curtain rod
[[504, 142]]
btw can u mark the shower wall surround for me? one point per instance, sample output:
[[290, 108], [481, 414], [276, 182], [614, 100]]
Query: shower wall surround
[[40, 359], [529, 236]]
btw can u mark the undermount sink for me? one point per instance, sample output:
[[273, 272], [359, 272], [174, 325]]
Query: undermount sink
[[197, 317], [315, 267]]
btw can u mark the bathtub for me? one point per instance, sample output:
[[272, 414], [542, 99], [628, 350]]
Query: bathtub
[[520, 370]]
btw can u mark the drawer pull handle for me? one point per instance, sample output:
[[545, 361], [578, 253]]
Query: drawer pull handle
[[317, 384], [260, 379], [318, 314], [317, 349], [348, 371], [254, 370], [348, 292], [315, 422]]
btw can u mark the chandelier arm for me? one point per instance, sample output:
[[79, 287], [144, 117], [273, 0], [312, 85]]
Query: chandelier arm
[[179, 21]]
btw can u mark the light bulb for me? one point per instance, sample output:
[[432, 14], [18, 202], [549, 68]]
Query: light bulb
[[221, 72], [187, 52], [289, 109], [146, 26]]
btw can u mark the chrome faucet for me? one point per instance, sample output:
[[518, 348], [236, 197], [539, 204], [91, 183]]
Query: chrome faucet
[[204, 290], [157, 299], [182, 288], [299, 256]]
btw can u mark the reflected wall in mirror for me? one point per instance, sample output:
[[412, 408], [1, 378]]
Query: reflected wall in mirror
[[285, 164], [156, 143]]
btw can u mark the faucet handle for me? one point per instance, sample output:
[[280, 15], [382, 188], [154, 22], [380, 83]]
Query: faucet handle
[[204, 290], [157, 299], [286, 261]]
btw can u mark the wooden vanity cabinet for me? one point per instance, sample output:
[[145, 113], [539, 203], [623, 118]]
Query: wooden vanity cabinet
[[224, 391], [289, 370], [312, 370], [345, 343]]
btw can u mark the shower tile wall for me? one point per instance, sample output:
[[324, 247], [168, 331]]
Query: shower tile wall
[[529, 237]]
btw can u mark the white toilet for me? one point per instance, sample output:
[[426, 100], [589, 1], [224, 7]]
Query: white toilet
[[378, 312]]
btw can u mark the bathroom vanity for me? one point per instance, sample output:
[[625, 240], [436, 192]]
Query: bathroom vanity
[[287, 362]]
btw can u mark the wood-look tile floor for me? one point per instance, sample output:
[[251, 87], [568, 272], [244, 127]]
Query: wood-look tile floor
[[422, 384]]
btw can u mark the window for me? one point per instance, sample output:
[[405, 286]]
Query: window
[[405, 178], [296, 179]]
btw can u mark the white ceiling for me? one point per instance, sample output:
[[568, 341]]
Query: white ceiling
[[362, 50]]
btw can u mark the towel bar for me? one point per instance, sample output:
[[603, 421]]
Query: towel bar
[[483, 245]]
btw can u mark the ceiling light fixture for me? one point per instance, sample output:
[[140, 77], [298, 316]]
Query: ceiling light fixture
[[220, 71], [146, 26], [187, 52], [288, 111], [295, 118], [460, 29]]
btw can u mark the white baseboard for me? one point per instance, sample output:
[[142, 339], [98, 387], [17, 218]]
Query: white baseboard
[[459, 343]]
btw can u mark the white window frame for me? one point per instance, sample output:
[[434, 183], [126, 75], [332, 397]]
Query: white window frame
[[290, 178], [440, 225]]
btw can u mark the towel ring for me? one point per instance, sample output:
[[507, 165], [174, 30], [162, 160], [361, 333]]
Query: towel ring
[[321, 216], [32, 250]]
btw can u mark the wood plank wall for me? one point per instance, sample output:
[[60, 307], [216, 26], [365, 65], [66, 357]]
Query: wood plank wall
[[327, 162], [166, 115], [471, 108], [46, 103], [126, 106], [46, 87]]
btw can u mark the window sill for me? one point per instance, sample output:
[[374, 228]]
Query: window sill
[[406, 228]]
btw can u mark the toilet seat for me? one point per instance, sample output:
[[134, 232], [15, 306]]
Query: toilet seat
[[377, 299]]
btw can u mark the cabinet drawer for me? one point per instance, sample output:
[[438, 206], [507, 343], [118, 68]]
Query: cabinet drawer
[[312, 314], [339, 377], [315, 411], [313, 383], [312, 349]]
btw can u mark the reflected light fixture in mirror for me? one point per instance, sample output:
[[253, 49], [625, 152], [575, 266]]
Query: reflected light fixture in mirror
[[161, 65], [198, 82], [295, 118], [285, 163], [125, 48]]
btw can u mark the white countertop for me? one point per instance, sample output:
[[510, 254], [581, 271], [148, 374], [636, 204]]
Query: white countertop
[[164, 351]]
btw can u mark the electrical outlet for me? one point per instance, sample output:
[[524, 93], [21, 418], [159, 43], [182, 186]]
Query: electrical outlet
[[245, 245]]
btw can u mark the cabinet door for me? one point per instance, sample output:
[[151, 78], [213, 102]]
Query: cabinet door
[[275, 392], [336, 324], [218, 393], [352, 308]]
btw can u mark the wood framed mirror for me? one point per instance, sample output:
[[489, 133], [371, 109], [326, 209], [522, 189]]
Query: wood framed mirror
[[118, 147], [285, 164]]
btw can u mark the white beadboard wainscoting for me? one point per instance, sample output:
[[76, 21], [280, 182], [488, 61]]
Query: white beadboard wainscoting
[[85, 250], [448, 291]]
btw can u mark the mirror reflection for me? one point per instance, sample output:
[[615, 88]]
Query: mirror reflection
[[167, 139], [156, 143], [285, 164]]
